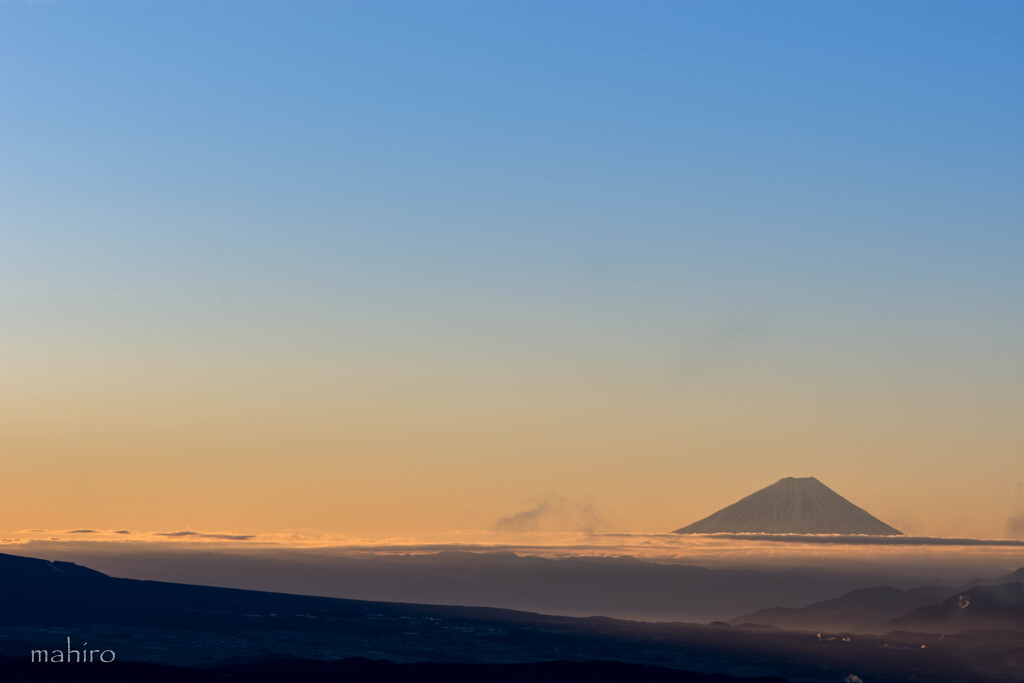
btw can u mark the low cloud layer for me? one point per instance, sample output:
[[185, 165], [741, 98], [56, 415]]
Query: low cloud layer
[[705, 550], [127, 536]]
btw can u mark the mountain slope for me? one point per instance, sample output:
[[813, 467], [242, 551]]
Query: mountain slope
[[1016, 576], [859, 610], [792, 506], [866, 610], [977, 608], [358, 670], [163, 623]]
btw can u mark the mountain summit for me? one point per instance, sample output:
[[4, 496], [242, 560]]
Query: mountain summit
[[794, 505]]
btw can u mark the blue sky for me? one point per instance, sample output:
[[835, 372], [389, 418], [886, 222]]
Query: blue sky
[[642, 199]]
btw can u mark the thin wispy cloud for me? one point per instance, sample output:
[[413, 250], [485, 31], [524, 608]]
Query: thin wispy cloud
[[129, 536], [1015, 523], [1015, 526], [556, 511], [198, 534]]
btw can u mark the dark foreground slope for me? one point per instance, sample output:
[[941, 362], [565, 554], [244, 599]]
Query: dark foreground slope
[[51, 606], [365, 671]]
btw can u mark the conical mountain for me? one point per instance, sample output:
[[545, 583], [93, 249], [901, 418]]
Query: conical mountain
[[792, 506]]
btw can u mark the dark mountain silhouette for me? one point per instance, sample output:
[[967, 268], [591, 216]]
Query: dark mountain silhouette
[[44, 605], [859, 610], [359, 670], [977, 608], [30, 572], [792, 506], [1013, 577], [622, 587], [874, 610]]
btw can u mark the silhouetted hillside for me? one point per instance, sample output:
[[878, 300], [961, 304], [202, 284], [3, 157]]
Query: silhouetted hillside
[[869, 610], [33, 573], [859, 610], [980, 607], [42, 608], [1013, 577], [366, 671], [622, 587]]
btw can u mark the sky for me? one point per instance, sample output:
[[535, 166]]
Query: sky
[[402, 268]]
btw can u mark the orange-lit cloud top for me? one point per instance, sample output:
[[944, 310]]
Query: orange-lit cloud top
[[714, 549]]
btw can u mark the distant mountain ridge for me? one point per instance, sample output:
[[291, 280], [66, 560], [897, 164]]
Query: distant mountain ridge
[[983, 603], [859, 610], [977, 608], [793, 505]]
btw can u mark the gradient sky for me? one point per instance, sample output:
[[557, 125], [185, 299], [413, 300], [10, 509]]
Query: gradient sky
[[395, 268]]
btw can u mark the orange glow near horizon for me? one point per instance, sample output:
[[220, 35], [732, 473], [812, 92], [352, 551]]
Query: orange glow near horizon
[[393, 282]]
